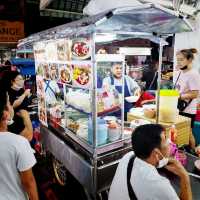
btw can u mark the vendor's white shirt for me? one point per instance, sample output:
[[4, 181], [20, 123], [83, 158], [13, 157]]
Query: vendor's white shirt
[[132, 85], [16, 156], [145, 180], [51, 93], [188, 81]]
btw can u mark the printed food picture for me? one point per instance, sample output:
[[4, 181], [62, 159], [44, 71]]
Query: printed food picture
[[43, 115], [39, 69], [40, 85], [46, 71], [53, 71], [81, 49], [65, 75], [63, 50], [81, 75], [51, 53], [39, 51]]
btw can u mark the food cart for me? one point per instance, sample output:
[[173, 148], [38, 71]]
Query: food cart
[[75, 109]]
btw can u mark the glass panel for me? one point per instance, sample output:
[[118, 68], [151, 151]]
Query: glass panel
[[78, 112], [109, 101]]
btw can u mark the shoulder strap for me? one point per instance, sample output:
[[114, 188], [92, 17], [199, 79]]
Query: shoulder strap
[[177, 80], [153, 80], [111, 80], [48, 86], [131, 192]]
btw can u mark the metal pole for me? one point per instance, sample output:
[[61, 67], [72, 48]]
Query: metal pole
[[94, 115], [159, 80]]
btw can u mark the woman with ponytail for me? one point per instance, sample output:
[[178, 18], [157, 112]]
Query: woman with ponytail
[[187, 81]]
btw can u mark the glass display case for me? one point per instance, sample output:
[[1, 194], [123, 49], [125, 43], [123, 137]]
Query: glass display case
[[76, 92]]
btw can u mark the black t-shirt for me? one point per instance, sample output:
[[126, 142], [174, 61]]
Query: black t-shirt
[[18, 125], [14, 95], [150, 77]]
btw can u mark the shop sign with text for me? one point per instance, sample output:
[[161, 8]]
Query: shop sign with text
[[11, 31]]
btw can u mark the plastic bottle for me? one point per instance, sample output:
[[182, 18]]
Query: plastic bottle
[[173, 133]]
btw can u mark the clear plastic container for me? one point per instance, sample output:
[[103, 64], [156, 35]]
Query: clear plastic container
[[102, 131], [114, 134], [168, 111]]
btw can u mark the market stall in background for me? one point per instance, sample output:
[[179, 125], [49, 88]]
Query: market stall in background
[[86, 125]]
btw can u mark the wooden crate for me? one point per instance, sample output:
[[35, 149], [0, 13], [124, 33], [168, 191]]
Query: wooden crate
[[182, 125]]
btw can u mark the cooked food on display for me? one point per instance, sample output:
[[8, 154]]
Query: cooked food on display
[[81, 49]]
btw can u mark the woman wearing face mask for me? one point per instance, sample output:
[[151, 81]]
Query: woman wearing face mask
[[19, 97], [19, 122], [187, 81]]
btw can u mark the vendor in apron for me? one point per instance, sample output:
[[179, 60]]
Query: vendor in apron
[[130, 86]]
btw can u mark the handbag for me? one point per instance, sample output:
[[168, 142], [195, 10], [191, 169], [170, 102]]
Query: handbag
[[182, 104]]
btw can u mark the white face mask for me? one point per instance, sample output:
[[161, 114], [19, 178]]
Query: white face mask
[[9, 122], [163, 162], [18, 87]]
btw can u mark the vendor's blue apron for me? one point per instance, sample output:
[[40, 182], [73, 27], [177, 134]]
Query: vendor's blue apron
[[127, 105]]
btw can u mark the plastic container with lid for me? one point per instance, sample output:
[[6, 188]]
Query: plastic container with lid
[[168, 111], [102, 131], [114, 132]]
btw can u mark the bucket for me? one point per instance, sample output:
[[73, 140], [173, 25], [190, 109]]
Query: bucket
[[168, 111]]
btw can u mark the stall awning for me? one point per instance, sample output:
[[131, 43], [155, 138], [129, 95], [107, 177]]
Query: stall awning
[[26, 66], [148, 18]]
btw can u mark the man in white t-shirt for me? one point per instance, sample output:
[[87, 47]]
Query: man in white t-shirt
[[16, 160], [137, 177]]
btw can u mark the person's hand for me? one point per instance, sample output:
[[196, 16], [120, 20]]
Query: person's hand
[[143, 102], [27, 92], [23, 113], [176, 168], [137, 92]]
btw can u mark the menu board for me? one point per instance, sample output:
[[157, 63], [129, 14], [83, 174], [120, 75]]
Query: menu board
[[60, 64]]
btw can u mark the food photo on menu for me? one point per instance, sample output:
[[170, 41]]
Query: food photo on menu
[[42, 115], [51, 53], [39, 51], [39, 69], [63, 50], [40, 85], [41, 101], [82, 75], [46, 71], [65, 74], [81, 49], [53, 71]]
